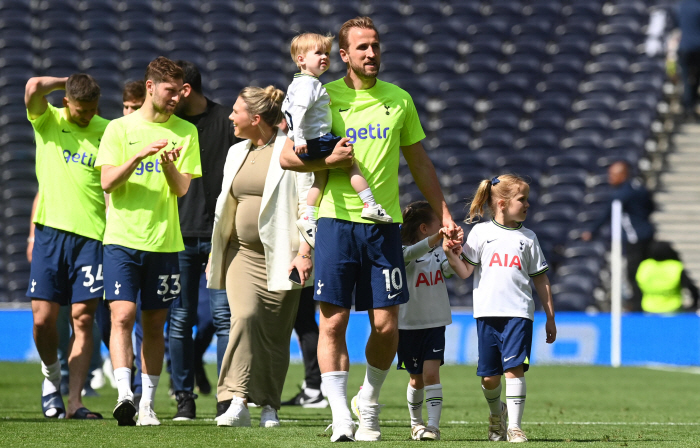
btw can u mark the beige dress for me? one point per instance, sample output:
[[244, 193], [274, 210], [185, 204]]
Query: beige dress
[[257, 354]]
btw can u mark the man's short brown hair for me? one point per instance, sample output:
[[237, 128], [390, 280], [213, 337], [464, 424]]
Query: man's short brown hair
[[358, 22], [82, 87], [134, 91], [162, 69]]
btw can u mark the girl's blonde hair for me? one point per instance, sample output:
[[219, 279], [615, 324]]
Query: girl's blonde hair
[[415, 214], [266, 102], [303, 43], [490, 191]]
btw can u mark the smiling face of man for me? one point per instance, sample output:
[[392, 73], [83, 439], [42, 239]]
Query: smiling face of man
[[363, 55]]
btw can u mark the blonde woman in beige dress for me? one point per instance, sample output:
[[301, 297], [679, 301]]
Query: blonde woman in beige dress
[[255, 245]]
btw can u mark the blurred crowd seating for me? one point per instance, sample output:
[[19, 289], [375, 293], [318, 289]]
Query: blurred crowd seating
[[554, 90]]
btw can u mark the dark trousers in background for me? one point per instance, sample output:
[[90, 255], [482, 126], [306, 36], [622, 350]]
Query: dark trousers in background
[[184, 312], [307, 330], [689, 62]]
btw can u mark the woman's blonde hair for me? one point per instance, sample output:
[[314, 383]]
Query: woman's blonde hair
[[266, 102], [303, 43], [490, 191]]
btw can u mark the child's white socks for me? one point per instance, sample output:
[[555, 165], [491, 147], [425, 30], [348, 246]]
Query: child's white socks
[[433, 401], [415, 405], [493, 397], [367, 196], [515, 400]]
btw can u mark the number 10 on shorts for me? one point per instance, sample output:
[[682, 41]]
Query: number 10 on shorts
[[393, 278]]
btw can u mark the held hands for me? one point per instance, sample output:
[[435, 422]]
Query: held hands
[[304, 265], [300, 149]]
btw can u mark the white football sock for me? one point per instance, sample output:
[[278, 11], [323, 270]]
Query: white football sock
[[374, 378], [367, 196], [149, 385], [336, 387], [433, 401], [493, 397], [52, 378], [515, 399], [311, 211], [123, 377], [415, 405]]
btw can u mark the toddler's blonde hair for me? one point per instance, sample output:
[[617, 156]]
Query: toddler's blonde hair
[[303, 43], [490, 191]]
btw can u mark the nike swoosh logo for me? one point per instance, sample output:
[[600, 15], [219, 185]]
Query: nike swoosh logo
[[391, 296], [96, 289], [168, 299], [65, 132], [45, 404], [343, 110], [491, 241], [436, 351], [508, 359], [133, 143], [419, 260]]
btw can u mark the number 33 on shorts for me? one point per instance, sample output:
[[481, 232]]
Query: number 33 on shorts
[[91, 279], [170, 285], [393, 278]]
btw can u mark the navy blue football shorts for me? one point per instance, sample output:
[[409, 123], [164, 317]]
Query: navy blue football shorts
[[66, 268], [155, 274], [320, 148], [418, 346], [504, 343], [366, 258]]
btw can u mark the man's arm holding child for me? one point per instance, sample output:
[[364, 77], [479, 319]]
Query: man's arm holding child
[[341, 157]]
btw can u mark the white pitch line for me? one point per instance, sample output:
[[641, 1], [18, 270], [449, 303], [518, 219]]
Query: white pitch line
[[666, 368], [462, 422]]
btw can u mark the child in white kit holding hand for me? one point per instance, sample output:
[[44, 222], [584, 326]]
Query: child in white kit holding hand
[[307, 110], [504, 256], [423, 319]]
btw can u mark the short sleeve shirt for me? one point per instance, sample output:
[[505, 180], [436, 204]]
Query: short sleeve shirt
[[378, 122], [143, 212], [70, 191], [505, 259]]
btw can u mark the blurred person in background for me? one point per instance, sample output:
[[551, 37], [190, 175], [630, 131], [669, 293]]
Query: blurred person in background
[[637, 206], [662, 278], [688, 20]]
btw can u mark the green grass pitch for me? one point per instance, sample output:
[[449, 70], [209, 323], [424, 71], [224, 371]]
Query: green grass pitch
[[566, 407]]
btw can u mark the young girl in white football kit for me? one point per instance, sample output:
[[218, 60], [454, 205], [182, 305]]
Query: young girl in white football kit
[[504, 256], [423, 319]]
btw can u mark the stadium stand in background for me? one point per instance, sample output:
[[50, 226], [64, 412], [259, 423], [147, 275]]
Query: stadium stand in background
[[552, 90]]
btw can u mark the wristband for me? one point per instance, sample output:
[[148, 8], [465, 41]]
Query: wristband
[[30, 239], [304, 256]]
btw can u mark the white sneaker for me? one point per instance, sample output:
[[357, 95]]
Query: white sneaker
[[269, 418], [376, 213], [368, 415], [417, 431], [308, 230], [147, 417], [236, 414], [497, 425], [516, 435], [98, 380], [342, 431]]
